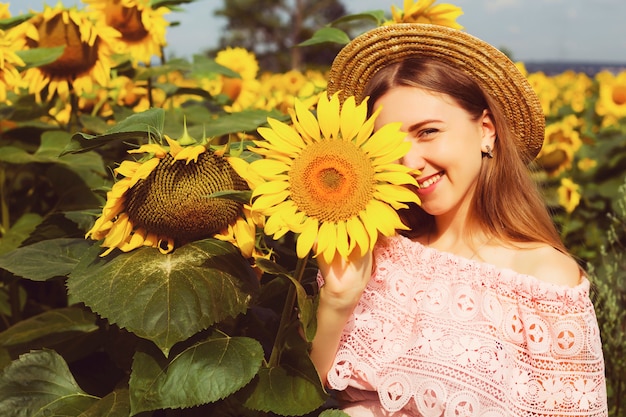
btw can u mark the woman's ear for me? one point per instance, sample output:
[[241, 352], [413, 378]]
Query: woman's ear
[[488, 132]]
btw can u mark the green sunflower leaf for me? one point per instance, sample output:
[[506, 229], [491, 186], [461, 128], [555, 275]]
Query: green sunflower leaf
[[204, 373], [165, 298], [292, 388], [243, 121], [48, 328], [40, 384], [116, 404], [46, 259], [327, 34], [40, 56], [333, 413], [137, 127]]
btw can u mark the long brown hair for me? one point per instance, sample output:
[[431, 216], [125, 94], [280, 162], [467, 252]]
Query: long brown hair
[[507, 204]]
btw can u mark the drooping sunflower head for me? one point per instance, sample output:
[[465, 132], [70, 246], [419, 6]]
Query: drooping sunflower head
[[164, 200], [86, 58], [331, 179], [423, 11], [142, 28]]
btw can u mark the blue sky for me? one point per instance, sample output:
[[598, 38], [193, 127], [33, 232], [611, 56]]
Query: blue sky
[[534, 30]]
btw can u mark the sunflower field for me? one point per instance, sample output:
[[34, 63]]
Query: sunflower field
[[136, 276]]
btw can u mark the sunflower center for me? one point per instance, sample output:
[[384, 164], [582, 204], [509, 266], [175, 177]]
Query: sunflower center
[[77, 57], [172, 201], [619, 95], [127, 20], [332, 180]]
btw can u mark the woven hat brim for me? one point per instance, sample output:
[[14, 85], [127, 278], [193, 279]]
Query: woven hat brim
[[358, 61]]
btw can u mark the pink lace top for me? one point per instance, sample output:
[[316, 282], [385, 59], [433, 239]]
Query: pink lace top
[[437, 334]]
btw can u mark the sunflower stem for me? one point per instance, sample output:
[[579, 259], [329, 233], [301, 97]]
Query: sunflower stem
[[285, 318]]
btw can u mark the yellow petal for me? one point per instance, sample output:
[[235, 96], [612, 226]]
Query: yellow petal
[[358, 234], [307, 237], [393, 194], [277, 141], [153, 148], [330, 234], [269, 200], [396, 178], [245, 237], [394, 154], [287, 133], [342, 240], [328, 115], [368, 127], [387, 220], [370, 226], [144, 170], [326, 238], [352, 118], [127, 168], [175, 147], [387, 137], [270, 187], [242, 168], [307, 121], [190, 153], [268, 168]]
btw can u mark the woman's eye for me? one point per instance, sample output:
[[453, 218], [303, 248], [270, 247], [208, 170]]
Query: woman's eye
[[426, 133]]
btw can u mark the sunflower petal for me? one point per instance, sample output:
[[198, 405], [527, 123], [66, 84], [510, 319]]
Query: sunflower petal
[[175, 147], [366, 130], [307, 121], [270, 187], [395, 178], [388, 219], [358, 235], [392, 194], [127, 168], [394, 154], [244, 236], [352, 118], [385, 138], [328, 115], [278, 141], [369, 225], [266, 201], [307, 237], [342, 240]]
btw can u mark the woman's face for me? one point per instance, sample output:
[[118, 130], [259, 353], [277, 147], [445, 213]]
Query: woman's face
[[446, 145]]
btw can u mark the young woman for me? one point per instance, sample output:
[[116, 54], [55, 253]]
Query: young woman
[[478, 310]]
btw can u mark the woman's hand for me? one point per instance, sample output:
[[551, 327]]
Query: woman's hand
[[344, 282], [345, 279]]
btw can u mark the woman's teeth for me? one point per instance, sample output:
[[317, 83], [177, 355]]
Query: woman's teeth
[[430, 181]]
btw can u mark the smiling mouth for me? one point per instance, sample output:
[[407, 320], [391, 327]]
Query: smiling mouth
[[430, 180]]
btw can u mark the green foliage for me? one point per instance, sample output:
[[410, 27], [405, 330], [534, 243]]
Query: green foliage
[[609, 277], [203, 331]]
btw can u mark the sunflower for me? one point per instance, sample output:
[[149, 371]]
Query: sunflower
[[611, 103], [142, 28], [569, 194], [10, 62], [423, 11], [562, 141], [86, 59], [330, 180], [243, 91], [162, 201]]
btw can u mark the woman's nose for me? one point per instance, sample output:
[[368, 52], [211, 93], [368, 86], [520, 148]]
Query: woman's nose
[[414, 158]]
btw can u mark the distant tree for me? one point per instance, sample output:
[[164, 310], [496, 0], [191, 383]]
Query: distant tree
[[272, 29]]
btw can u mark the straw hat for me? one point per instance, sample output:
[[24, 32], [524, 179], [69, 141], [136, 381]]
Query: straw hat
[[358, 61]]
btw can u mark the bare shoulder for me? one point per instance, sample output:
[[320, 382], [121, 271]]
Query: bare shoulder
[[547, 264]]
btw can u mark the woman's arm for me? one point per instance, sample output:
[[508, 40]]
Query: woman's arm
[[344, 282]]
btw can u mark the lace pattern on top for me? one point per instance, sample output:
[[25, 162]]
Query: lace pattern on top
[[439, 334]]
